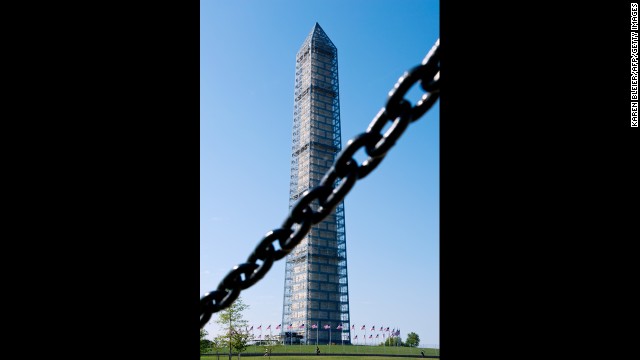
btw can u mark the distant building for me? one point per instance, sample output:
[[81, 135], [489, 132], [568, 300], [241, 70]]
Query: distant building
[[316, 285]]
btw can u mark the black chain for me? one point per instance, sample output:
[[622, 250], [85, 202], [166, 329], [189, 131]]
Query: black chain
[[335, 185]]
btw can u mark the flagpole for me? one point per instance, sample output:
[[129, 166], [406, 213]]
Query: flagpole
[[350, 333], [387, 330]]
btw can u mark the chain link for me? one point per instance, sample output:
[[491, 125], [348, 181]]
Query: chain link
[[335, 185]]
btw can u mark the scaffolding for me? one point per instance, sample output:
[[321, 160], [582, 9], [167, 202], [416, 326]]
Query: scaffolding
[[316, 284]]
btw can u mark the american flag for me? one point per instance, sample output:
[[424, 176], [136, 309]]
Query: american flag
[[371, 336], [314, 326], [290, 326], [355, 337], [377, 335], [373, 328], [353, 327], [381, 328], [278, 327], [251, 328], [327, 327], [260, 327], [362, 328], [387, 329], [301, 326], [259, 336], [269, 327], [339, 327]]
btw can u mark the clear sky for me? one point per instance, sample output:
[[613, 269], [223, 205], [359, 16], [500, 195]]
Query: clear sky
[[247, 72]]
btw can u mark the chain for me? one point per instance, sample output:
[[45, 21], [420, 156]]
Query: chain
[[335, 184]]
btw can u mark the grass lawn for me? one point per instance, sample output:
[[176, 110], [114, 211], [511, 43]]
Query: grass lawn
[[364, 357], [328, 350]]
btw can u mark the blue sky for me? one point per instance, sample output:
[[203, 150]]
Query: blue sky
[[247, 69]]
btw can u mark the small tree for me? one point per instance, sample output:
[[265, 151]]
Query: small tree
[[240, 341], [393, 341], [232, 323], [413, 339], [205, 343], [269, 345], [216, 346]]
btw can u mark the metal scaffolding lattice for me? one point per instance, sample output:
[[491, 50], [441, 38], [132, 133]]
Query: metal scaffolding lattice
[[316, 284]]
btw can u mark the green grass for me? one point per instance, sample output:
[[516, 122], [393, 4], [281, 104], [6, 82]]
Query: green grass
[[235, 357], [334, 349]]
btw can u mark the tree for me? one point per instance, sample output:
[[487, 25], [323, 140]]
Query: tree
[[240, 341], [413, 339], [269, 347], [205, 343], [393, 341], [232, 323], [216, 346]]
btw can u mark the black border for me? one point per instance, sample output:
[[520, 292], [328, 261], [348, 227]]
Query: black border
[[159, 282], [110, 161], [535, 147]]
